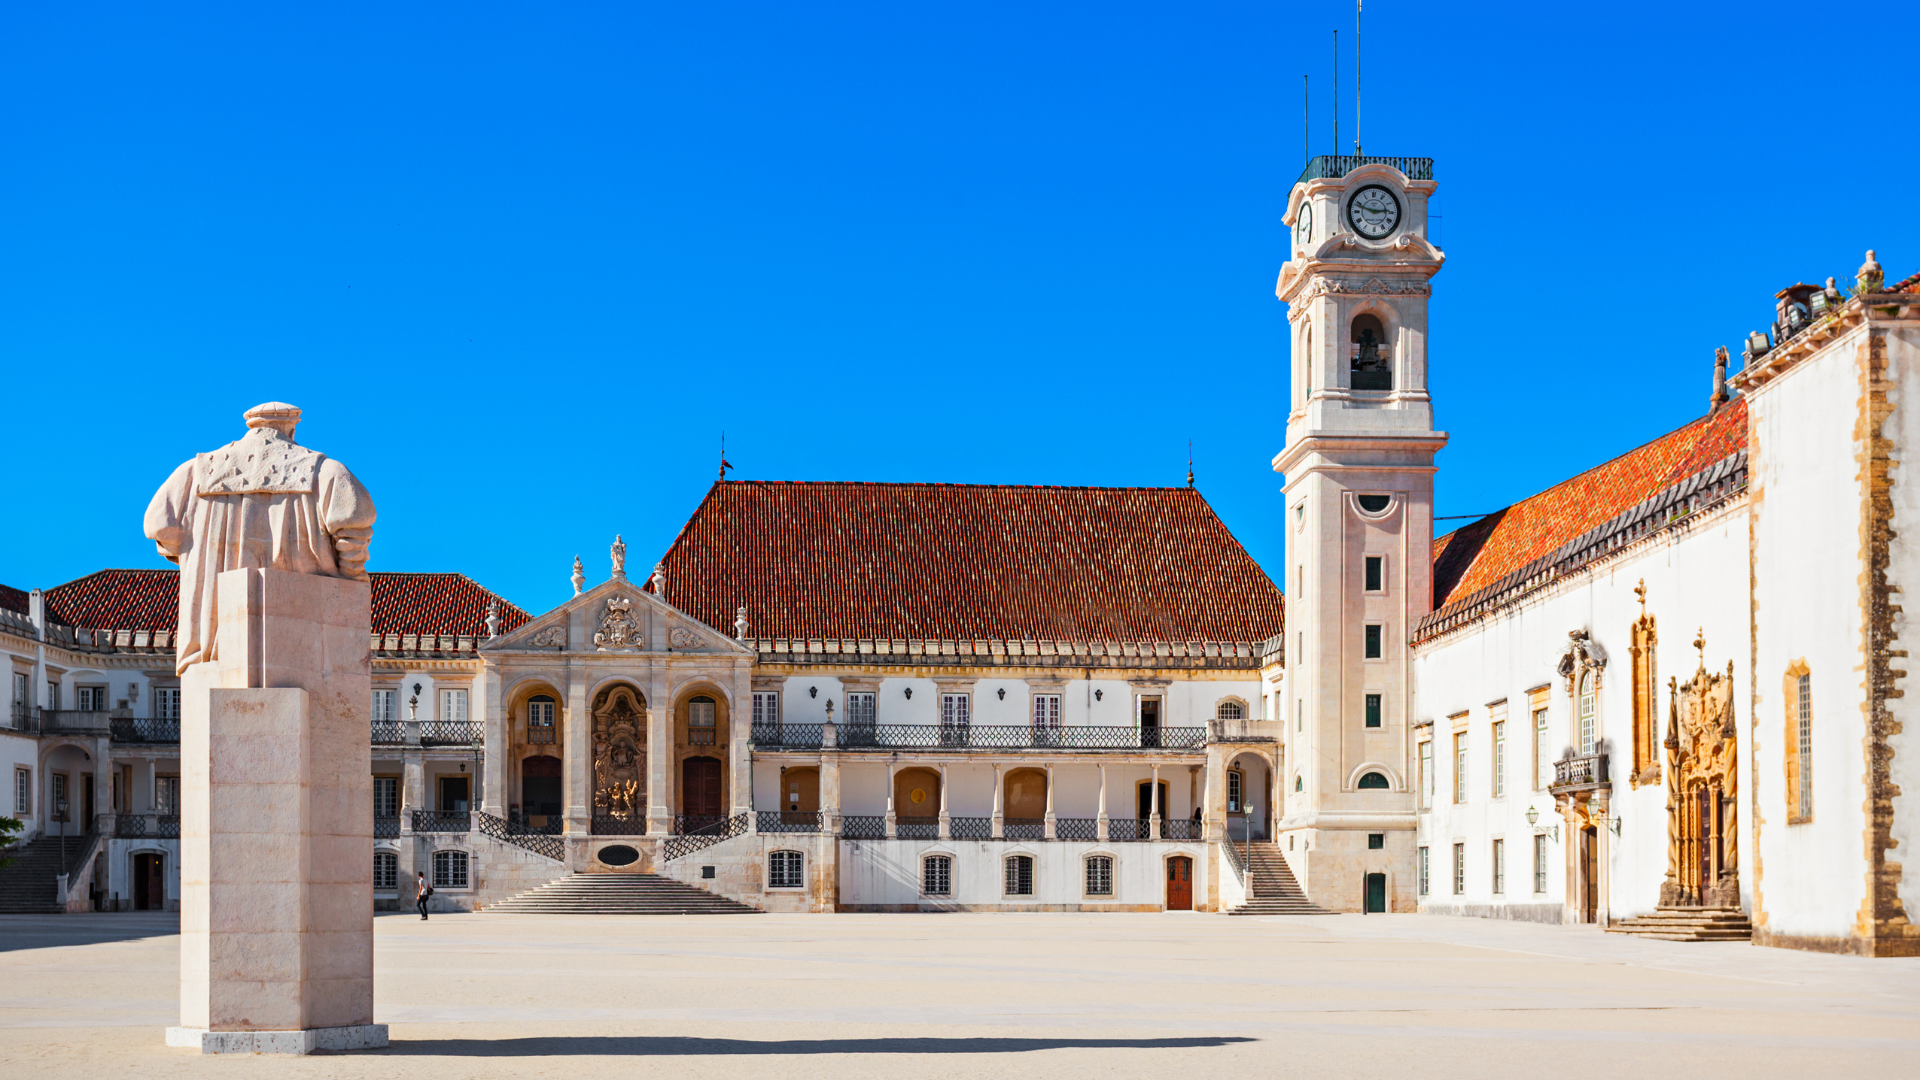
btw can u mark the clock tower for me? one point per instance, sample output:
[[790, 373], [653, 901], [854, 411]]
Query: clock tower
[[1358, 468]]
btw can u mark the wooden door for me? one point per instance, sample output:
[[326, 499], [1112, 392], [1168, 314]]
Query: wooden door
[[453, 794], [700, 787], [1589, 874], [1376, 894], [540, 788], [149, 883], [1179, 883]]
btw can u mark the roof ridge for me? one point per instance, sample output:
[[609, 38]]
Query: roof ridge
[[947, 484]]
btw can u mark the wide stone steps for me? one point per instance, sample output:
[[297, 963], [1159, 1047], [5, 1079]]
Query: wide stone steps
[[26, 887], [1688, 924], [1275, 891], [618, 894]]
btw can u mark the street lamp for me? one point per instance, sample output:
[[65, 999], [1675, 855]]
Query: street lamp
[[1249, 859], [60, 815], [1533, 819]]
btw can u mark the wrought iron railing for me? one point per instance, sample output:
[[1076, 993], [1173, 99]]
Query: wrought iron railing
[[1179, 829], [688, 824], [970, 828], [1076, 828], [151, 826], [1127, 828], [1016, 828], [618, 825], [1335, 166], [539, 736], [790, 821], [442, 821], [127, 729], [982, 737], [24, 717], [916, 828], [507, 832], [1584, 771], [385, 827], [687, 844], [450, 733], [863, 827], [388, 733]]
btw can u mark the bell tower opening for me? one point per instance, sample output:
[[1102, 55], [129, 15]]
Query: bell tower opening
[[1370, 364]]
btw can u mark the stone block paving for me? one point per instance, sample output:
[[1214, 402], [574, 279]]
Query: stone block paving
[[853, 996]]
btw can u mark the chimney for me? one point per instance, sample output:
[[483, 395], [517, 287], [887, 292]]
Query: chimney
[[1719, 380]]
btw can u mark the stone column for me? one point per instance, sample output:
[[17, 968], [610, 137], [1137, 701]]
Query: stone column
[[153, 788], [576, 790], [659, 756], [497, 738], [1215, 814], [946, 820], [999, 811], [276, 830], [1153, 803], [1100, 822], [1051, 824], [101, 812], [739, 733], [890, 829], [830, 794]]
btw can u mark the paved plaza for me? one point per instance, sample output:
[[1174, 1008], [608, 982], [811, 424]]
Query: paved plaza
[[996, 995]]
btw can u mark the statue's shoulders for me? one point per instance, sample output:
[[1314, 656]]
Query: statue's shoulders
[[258, 465]]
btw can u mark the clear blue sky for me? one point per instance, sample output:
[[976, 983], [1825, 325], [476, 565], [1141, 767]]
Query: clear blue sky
[[521, 265]]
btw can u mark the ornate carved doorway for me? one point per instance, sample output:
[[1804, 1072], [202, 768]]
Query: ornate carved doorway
[[619, 760], [1703, 865]]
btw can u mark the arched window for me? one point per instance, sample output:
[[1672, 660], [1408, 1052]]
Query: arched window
[[1296, 784], [1229, 710], [386, 871], [1099, 875], [1019, 875], [449, 869], [1374, 781], [540, 719], [1370, 359], [700, 721], [936, 875], [786, 870], [1586, 713]]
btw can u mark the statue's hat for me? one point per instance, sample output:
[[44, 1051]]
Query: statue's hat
[[273, 414]]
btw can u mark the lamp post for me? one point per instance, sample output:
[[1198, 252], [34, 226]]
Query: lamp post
[[60, 815], [1533, 819], [1249, 820]]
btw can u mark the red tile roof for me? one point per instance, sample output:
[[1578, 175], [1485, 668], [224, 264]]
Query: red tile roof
[[955, 562], [12, 599], [402, 603], [1478, 555]]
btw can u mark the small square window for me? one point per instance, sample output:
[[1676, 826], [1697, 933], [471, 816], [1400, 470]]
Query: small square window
[[786, 870], [706, 871], [936, 875], [1376, 841], [1376, 573], [1373, 641], [1373, 710]]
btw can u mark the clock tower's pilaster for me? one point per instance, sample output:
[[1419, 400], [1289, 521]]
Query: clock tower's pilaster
[[1358, 464]]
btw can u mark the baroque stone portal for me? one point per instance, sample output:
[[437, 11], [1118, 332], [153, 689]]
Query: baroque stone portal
[[620, 756], [1703, 852]]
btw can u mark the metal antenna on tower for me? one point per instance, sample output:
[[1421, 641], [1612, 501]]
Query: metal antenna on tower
[[1336, 93], [1306, 119], [724, 463], [1359, 66]]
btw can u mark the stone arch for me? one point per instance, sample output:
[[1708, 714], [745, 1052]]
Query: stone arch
[[618, 752], [1024, 794]]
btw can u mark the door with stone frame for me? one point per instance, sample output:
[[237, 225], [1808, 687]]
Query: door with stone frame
[[1179, 883], [700, 795]]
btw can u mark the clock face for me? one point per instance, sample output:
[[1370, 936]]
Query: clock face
[[1374, 212], [1303, 227]]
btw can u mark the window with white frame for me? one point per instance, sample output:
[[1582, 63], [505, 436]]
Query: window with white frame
[[383, 706], [1423, 872], [1019, 875], [1542, 760], [1459, 869], [540, 709], [53, 694], [1236, 790], [166, 703], [1459, 766], [59, 795], [1046, 712], [166, 795], [766, 707], [1589, 719], [954, 712], [386, 796], [386, 871], [786, 870], [862, 708], [1499, 758], [90, 698], [1426, 774], [449, 869], [1540, 862], [701, 722], [22, 790], [453, 706], [1099, 875], [1499, 867], [20, 688], [936, 875], [1230, 710]]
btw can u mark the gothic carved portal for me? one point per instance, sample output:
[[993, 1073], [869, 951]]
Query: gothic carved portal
[[1703, 855], [620, 756]]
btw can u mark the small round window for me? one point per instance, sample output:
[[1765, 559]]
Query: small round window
[[1373, 504]]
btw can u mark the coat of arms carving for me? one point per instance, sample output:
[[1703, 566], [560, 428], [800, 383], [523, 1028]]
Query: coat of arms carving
[[619, 629]]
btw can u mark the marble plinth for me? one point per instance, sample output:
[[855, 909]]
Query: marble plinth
[[305, 1041], [276, 827]]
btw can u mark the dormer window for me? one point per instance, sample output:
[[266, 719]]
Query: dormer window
[[1370, 361]]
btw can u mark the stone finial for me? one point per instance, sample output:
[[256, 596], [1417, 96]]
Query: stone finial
[[579, 576], [1720, 395], [660, 580], [1870, 277], [619, 552], [740, 625], [493, 619]]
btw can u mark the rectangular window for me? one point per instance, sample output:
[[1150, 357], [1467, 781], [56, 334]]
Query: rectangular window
[[1020, 875], [453, 706], [1542, 758], [1376, 573], [1235, 786], [539, 713], [1373, 710], [1299, 714], [1460, 766], [449, 869], [1046, 711], [1459, 869], [166, 703], [702, 721], [383, 706], [936, 875], [1499, 758], [1373, 641], [386, 871], [1099, 875], [861, 708], [1800, 753], [166, 795], [20, 688], [1588, 714], [59, 795], [1499, 867], [90, 698], [1426, 774], [1423, 872], [53, 694], [785, 870], [953, 712], [386, 796], [1376, 841], [1540, 863], [766, 707], [22, 790]]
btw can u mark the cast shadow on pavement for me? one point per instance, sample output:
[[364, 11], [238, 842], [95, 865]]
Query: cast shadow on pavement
[[672, 1045]]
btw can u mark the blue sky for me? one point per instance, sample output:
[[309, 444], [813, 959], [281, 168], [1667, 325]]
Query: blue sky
[[521, 265]]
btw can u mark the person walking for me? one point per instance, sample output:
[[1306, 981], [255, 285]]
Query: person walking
[[425, 890]]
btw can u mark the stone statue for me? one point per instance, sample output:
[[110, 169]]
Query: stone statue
[[579, 576], [262, 501], [619, 552]]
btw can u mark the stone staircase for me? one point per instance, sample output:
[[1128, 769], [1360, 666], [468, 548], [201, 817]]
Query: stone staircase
[[1688, 924], [618, 894], [26, 887], [1275, 892]]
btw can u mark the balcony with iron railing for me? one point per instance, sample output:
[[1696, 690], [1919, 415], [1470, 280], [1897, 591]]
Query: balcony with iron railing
[[1335, 166], [442, 821], [147, 730], [146, 826], [889, 737], [388, 733], [450, 733]]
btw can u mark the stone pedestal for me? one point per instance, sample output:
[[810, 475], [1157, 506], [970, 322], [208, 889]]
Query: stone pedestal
[[276, 824]]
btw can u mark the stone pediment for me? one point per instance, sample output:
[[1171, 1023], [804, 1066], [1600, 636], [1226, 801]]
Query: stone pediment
[[616, 616]]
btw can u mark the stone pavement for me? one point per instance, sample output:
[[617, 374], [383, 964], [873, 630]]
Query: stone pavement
[[1173, 996]]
